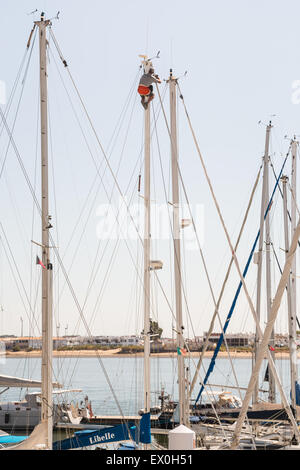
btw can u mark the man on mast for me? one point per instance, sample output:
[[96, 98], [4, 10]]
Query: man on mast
[[145, 88]]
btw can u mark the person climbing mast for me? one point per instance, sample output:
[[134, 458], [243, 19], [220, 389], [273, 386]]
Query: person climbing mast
[[145, 88]]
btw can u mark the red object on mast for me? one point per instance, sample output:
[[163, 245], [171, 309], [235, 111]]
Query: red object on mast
[[38, 261]]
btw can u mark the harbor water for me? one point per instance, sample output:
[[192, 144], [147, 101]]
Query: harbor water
[[116, 383]]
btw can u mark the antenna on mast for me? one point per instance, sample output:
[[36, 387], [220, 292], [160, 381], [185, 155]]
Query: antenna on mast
[[55, 17], [32, 12], [146, 62]]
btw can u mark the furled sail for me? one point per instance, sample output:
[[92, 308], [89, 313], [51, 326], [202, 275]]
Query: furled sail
[[8, 381], [36, 440]]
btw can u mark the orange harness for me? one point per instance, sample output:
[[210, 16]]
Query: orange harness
[[143, 90]]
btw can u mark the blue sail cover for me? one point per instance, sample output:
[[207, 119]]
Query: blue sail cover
[[122, 432], [145, 429]]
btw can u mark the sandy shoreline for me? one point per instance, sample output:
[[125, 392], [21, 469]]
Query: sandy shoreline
[[115, 353]]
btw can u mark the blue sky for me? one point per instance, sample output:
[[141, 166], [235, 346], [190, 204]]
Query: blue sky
[[242, 61]]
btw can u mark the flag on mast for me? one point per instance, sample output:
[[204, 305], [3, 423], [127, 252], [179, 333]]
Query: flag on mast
[[181, 351], [38, 261]]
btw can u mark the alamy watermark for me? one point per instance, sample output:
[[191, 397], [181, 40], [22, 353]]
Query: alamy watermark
[[126, 222]]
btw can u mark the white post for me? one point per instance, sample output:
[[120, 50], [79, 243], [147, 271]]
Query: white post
[[291, 317], [47, 399], [183, 410], [147, 247]]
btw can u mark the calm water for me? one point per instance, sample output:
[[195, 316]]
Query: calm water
[[120, 380]]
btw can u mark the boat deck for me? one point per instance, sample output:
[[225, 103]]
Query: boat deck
[[115, 419], [106, 420]]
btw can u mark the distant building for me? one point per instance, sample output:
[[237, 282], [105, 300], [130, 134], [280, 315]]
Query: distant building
[[130, 340], [31, 342], [233, 340], [13, 342]]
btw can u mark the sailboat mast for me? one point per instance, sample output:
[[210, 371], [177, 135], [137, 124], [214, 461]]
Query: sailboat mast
[[268, 273], [177, 256], [293, 320], [291, 317], [264, 202], [147, 248], [47, 400]]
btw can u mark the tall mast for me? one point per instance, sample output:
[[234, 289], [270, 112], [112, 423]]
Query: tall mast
[[147, 247], [47, 342], [264, 203], [291, 317], [183, 412]]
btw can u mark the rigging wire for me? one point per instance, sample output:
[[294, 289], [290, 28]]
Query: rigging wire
[[201, 252], [138, 274], [226, 279], [171, 228], [55, 248], [14, 88], [4, 122], [199, 246], [58, 258], [97, 168], [287, 406], [15, 264], [33, 212], [18, 104], [73, 108], [101, 147], [94, 131], [95, 134]]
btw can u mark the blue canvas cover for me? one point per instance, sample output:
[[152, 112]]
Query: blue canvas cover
[[88, 437], [297, 393], [122, 432]]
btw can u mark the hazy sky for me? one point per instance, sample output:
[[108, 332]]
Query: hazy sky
[[242, 63]]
